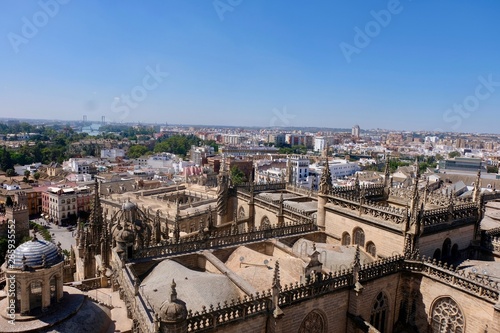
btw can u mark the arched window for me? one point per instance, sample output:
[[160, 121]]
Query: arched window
[[359, 237], [378, 317], [35, 294], [447, 317], [346, 238], [314, 322], [53, 290], [445, 253], [241, 212], [437, 254], [371, 249]]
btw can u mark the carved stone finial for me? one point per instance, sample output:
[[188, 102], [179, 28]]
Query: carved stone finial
[[357, 262], [25, 266], [173, 292], [276, 276]]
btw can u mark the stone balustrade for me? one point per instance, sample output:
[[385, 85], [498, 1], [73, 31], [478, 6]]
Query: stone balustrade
[[226, 238]]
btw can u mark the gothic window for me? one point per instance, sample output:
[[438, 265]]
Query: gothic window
[[378, 317], [313, 323], [446, 248], [447, 317], [241, 212], [359, 237], [371, 249], [265, 223], [346, 238]]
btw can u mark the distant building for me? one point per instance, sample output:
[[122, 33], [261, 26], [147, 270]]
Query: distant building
[[355, 131], [243, 151], [199, 154], [61, 203], [461, 164], [112, 154], [299, 169]]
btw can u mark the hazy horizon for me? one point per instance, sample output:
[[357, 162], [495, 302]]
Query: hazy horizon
[[402, 65]]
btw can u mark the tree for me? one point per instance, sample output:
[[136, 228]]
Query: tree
[[36, 175], [491, 169], [136, 151], [6, 160], [237, 176], [10, 173], [27, 174], [454, 154]]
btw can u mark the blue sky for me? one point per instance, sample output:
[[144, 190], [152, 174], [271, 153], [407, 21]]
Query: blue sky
[[422, 65]]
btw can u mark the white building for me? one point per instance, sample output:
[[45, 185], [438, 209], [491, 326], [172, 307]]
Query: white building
[[338, 169], [81, 165], [321, 141], [300, 169], [112, 154]]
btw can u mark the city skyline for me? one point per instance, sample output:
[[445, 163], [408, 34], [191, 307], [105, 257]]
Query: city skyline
[[240, 63]]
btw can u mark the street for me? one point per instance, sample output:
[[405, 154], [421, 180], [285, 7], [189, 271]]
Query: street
[[59, 234]]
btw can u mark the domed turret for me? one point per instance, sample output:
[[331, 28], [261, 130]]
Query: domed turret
[[173, 311], [128, 206], [36, 253]]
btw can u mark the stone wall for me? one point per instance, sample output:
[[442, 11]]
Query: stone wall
[[387, 243], [461, 236], [479, 314]]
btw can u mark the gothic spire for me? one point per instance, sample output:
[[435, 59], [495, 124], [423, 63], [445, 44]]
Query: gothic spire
[[325, 185], [387, 171], [477, 187], [417, 169]]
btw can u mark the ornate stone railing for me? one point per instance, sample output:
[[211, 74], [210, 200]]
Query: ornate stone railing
[[377, 269], [386, 213], [475, 284], [228, 312], [303, 191], [443, 215], [261, 187], [323, 284], [217, 240], [370, 190], [241, 309]]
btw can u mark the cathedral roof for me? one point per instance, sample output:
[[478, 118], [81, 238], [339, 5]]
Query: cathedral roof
[[193, 287]]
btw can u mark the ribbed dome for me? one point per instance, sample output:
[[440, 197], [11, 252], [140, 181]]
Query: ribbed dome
[[128, 206], [33, 251], [173, 312]]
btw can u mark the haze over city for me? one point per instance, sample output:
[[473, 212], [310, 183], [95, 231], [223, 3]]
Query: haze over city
[[408, 65]]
